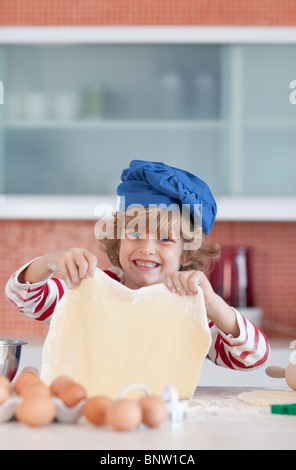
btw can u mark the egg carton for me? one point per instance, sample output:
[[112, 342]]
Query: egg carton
[[69, 415], [65, 414]]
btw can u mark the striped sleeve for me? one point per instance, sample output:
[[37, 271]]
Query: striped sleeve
[[247, 352], [36, 300]]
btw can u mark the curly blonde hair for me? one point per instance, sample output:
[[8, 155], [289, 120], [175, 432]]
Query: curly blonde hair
[[199, 255]]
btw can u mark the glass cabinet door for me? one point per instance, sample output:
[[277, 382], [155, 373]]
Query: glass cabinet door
[[75, 115], [269, 121], [2, 121]]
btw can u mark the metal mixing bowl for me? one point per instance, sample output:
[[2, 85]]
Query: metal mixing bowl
[[10, 353]]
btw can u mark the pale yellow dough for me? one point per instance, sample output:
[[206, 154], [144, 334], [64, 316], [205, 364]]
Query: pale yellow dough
[[107, 336], [268, 397]]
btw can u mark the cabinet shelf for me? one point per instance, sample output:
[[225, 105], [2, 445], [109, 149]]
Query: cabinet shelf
[[116, 123], [270, 123], [148, 124]]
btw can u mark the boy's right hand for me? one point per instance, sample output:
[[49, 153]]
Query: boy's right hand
[[73, 264]]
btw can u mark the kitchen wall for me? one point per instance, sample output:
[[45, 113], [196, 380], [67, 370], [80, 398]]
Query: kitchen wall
[[273, 243], [21, 241], [273, 248], [148, 12]]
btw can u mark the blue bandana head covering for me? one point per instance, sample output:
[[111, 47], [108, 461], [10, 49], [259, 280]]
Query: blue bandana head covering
[[147, 184]]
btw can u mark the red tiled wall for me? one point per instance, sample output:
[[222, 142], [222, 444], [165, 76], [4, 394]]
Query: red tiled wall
[[148, 12], [273, 246], [273, 255], [21, 241]]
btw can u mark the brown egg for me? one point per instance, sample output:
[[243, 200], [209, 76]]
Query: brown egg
[[23, 379], [59, 383], [5, 393], [30, 369], [154, 410], [124, 415], [290, 376], [95, 409], [35, 388], [5, 382], [72, 394], [36, 411]]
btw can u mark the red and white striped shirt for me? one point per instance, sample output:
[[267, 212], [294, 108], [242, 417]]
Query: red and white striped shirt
[[249, 351]]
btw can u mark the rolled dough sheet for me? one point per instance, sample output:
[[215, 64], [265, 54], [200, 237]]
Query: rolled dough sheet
[[268, 397], [107, 336]]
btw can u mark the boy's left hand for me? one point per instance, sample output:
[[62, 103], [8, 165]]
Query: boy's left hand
[[187, 282], [218, 311]]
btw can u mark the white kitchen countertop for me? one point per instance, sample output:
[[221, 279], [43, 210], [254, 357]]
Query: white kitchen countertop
[[221, 421], [218, 421]]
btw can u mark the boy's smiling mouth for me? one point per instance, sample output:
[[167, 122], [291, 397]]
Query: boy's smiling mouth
[[145, 264]]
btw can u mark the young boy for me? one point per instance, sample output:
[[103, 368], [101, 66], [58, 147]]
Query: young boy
[[150, 248]]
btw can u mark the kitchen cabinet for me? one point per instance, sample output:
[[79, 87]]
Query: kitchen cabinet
[[266, 157], [74, 115]]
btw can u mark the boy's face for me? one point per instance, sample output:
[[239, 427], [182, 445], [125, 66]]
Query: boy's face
[[146, 258]]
